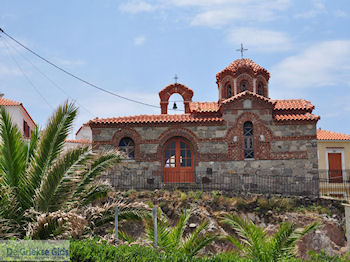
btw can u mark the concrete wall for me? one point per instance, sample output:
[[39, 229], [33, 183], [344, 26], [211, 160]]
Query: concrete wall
[[323, 145], [84, 133]]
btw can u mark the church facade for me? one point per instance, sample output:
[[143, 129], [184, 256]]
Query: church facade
[[245, 141]]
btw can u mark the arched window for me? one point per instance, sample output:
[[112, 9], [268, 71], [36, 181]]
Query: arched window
[[260, 89], [127, 146], [228, 91], [244, 86], [248, 140]]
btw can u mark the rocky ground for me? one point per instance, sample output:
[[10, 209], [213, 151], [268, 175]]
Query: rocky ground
[[267, 212]]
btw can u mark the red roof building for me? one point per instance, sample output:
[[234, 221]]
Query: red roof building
[[243, 132], [19, 116]]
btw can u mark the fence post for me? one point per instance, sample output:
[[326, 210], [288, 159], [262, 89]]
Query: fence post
[[347, 224], [155, 225], [116, 224]]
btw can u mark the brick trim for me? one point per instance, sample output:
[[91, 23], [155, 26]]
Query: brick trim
[[128, 132]]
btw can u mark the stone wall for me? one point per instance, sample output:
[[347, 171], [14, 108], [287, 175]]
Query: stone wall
[[285, 156]]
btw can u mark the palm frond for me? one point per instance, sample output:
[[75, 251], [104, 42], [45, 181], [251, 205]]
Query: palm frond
[[290, 243], [13, 160], [32, 146], [125, 237], [178, 230], [194, 242], [278, 244], [51, 143], [99, 165], [251, 236], [64, 168], [95, 192]]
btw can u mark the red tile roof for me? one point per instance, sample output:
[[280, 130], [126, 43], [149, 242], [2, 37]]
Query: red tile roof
[[243, 63], [165, 118], [293, 104], [247, 93], [329, 135], [8, 102], [201, 107], [296, 117], [78, 141]]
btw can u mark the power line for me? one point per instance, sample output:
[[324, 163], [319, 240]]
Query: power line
[[75, 76], [48, 78], [24, 74]]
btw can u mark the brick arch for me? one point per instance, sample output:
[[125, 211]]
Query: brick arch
[[178, 132], [261, 148], [227, 80], [245, 77], [262, 79], [176, 88], [133, 134]]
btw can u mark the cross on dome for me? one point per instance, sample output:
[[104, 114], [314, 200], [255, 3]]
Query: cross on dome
[[242, 49]]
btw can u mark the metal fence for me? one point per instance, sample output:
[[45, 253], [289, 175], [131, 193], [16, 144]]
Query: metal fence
[[334, 184], [231, 183]]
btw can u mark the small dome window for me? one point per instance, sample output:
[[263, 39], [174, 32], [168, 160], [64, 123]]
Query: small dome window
[[261, 89], [244, 86], [228, 91]]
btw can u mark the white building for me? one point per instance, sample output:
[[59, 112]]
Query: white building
[[19, 116]]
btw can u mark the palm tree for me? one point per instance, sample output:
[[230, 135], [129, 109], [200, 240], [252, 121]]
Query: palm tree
[[39, 176], [172, 239], [256, 245]]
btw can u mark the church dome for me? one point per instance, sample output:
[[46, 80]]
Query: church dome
[[243, 65], [242, 75]]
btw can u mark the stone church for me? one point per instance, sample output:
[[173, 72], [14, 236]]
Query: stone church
[[245, 141]]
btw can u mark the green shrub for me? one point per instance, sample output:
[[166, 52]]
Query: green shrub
[[93, 251]]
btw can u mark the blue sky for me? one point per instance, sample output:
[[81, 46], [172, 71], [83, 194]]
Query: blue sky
[[134, 48]]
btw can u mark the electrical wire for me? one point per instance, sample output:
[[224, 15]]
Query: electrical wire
[[25, 75], [48, 78], [75, 76]]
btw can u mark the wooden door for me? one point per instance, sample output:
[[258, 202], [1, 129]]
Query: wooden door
[[335, 173], [178, 162]]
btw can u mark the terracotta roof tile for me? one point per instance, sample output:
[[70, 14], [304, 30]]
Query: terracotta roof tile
[[329, 135], [8, 102], [243, 63], [201, 107], [296, 117], [165, 118], [247, 93], [293, 104], [78, 141]]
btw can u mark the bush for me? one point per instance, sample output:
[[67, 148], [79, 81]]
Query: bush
[[93, 251]]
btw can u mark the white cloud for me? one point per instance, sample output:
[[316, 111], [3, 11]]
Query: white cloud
[[214, 12], [135, 7], [140, 40], [324, 64], [258, 39]]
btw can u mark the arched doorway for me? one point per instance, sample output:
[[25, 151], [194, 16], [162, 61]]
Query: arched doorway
[[178, 164]]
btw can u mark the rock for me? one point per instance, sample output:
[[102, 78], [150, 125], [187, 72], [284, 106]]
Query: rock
[[335, 233]]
